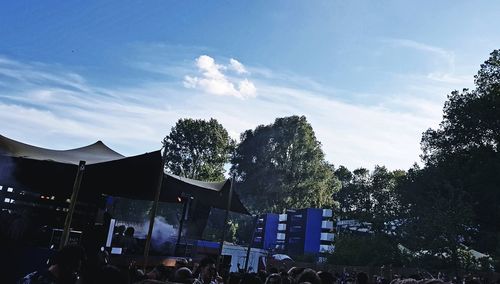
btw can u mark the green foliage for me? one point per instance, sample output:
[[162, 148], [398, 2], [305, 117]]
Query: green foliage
[[470, 263], [439, 216], [198, 149], [281, 165], [465, 149], [471, 119], [369, 197], [453, 201], [366, 250]]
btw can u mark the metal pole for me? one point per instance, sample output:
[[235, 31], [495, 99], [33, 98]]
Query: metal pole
[[72, 204], [181, 222], [219, 258], [247, 259], [153, 211]]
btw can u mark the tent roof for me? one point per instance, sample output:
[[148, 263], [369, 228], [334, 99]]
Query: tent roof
[[52, 172], [92, 154], [215, 194]]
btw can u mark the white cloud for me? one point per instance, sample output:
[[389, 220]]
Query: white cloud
[[442, 61], [247, 88], [49, 111], [237, 66], [212, 80]]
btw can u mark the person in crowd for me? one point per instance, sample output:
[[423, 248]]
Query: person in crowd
[[95, 257], [294, 273], [431, 281], [361, 278], [285, 278], [235, 277], [469, 279], [263, 275], [310, 276], [64, 268], [326, 277], [180, 262], [129, 243], [111, 274], [273, 278], [183, 275], [160, 272], [273, 270], [407, 281], [207, 272], [250, 278]]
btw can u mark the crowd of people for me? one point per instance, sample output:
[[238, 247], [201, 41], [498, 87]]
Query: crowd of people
[[71, 265]]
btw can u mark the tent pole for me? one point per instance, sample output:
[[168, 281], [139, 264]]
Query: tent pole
[[181, 223], [153, 210], [247, 259], [219, 258], [72, 204]]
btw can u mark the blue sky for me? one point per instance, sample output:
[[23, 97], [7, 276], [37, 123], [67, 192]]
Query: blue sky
[[370, 76]]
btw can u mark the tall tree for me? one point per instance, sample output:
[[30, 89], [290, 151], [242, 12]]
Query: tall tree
[[282, 166], [343, 196], [471, 119], [198, 149], [439, 217], [466, 148], [369, 197], [385, 197]]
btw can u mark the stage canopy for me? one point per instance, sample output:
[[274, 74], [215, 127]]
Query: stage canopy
[[52, 172]]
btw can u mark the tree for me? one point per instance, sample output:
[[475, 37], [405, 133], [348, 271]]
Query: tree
[[366, 250], [471, 119], [439, 216], [385, 197], [466, 148], [198, 149], [369, 197], [343, 196], [281, 165]]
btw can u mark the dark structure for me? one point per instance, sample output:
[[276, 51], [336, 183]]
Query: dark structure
[[52, 172], [42, 181], [37, 190]]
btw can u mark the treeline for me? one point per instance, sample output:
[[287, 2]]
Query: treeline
[[435, 214]]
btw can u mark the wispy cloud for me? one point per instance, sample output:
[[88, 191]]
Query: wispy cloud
[[61, 109], [212, 79], [447, 55], [444, 67]]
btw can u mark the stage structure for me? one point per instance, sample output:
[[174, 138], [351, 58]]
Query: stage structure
[[101, 171]]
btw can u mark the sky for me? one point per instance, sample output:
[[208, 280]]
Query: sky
[[370, 76]]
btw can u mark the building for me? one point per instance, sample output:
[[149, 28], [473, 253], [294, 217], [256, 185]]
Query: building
[[307, 231], [266, 231]]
